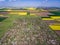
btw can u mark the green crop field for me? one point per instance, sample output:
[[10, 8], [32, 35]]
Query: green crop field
[[6, 24], [56, 13], [2, 18]]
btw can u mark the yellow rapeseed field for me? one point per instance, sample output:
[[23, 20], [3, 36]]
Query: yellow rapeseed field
[[22, 13], [9, 10], [1, 15], [47, 19], [55, 27], [32, 14], [31, 8], [19, 13], [55, 17]]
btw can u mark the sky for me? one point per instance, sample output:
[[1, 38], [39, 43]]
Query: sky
[[29, 3]]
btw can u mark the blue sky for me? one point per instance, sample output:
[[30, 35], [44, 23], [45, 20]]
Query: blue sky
[[29, 3]]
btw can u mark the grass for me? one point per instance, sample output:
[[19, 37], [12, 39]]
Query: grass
[[2, 18], [6, 24]]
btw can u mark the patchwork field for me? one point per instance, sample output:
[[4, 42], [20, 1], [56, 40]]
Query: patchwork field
[[53, 21], [29, 27]]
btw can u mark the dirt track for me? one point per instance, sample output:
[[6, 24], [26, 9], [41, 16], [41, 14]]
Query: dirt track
[[29, 31]]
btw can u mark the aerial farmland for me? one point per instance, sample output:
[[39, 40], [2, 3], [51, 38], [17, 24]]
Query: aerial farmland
[[29, 22], [29, 26]]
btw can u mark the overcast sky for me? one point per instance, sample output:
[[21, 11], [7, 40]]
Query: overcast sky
[[30, 3]]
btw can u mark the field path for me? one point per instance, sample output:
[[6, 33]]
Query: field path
[[29, 31]]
